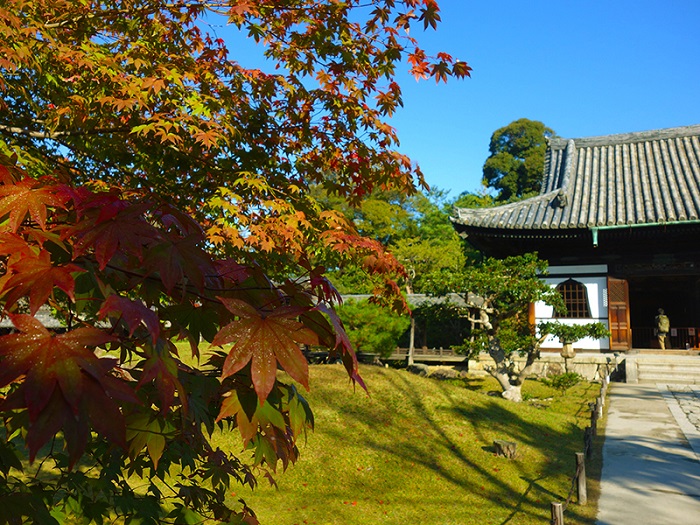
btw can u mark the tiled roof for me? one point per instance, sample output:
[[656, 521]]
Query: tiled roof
[[634, 178]]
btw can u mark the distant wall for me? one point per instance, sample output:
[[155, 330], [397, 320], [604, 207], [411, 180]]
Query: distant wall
[[594, 278]]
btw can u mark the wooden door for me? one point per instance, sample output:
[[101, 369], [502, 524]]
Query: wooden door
[[619, 314]]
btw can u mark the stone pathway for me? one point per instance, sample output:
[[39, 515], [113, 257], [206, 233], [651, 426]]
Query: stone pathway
[[684, 403], [650, 473]]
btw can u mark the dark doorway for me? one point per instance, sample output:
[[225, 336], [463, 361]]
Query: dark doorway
[[679, 296]]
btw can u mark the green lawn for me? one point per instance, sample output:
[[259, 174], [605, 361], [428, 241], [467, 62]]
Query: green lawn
[[417, 450]]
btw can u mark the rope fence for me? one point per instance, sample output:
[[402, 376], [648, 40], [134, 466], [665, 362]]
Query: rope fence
[[578, 482]]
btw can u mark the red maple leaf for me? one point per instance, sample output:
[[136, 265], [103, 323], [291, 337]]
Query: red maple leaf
[[133, 313], [178, 261], [36, 276], [264, 340], [63, 385], [120, 226]]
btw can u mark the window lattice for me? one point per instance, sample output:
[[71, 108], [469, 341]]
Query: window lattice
[[575, 299]]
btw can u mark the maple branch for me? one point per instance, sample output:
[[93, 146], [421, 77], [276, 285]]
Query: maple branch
[[189, 288], [57, 134]]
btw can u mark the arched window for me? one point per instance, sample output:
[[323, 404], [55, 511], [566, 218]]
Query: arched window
[[575, 299]]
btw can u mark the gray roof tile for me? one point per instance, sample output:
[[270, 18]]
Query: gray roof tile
[[614, 180]]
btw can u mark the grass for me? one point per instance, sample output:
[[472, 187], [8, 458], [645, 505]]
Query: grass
[[417, 450]]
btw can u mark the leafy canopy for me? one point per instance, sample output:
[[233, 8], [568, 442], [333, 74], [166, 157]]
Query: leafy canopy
[[371, 328], [152, 188], [516, 161], [414, 229]]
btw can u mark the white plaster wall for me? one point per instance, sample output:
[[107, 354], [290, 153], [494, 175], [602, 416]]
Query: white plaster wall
[[596, 287]]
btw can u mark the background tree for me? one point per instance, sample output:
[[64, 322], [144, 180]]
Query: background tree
[[415, 229], [372, 328], [432, 247], [152, 188], [516, 163]]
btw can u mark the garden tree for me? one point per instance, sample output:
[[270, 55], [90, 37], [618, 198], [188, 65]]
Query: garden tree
[[516, 162], [152, 188], [415, 229], [372, 328], [433, 247], [498, 293], [381, 216], [469, 199]]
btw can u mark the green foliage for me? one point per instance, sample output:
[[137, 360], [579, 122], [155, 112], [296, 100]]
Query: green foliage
[[434, 248], [468, 199], [372, 328], [416, 231], [516, 164], [563, 382], [570, 333]]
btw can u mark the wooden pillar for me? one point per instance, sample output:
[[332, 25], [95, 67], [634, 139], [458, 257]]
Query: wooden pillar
[[581, 478], [557, 514]]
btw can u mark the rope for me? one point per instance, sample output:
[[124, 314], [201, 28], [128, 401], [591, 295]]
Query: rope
[[579, 468]]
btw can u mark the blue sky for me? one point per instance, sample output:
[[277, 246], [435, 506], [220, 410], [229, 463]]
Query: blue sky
[[584, 68]]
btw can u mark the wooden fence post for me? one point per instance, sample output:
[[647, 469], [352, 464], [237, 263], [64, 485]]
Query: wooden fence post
[[594, 419], [557, 514], [581, 478], [588, 441]]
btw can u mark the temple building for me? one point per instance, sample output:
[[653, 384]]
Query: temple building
[[618, 220]]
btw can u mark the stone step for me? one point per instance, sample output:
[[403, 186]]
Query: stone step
[[670, 378], [663, 369]]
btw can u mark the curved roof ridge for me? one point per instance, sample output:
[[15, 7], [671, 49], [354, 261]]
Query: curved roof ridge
[[507, 212], [635, 178], [622, 138]]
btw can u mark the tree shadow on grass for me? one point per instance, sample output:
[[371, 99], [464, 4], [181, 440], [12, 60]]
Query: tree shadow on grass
[[493, 418]]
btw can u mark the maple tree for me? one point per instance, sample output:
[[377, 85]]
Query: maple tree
[[152, 189]]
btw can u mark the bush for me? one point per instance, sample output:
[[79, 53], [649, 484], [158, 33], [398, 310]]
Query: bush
[[563, 382], [372, 328]]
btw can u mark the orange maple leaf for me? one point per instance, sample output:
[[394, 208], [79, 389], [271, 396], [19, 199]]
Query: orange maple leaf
[[24, 197], [264, 340]]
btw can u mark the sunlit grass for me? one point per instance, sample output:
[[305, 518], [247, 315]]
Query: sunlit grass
[[417, 450]]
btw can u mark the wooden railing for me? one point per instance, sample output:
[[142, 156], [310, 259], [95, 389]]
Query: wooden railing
[[423, 352], [679, 338]]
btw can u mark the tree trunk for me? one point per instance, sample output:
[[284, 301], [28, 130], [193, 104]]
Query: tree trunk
[[412, 342], [511, 390], [513, 393]]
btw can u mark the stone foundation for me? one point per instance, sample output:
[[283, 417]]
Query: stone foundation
[[593, 367]]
